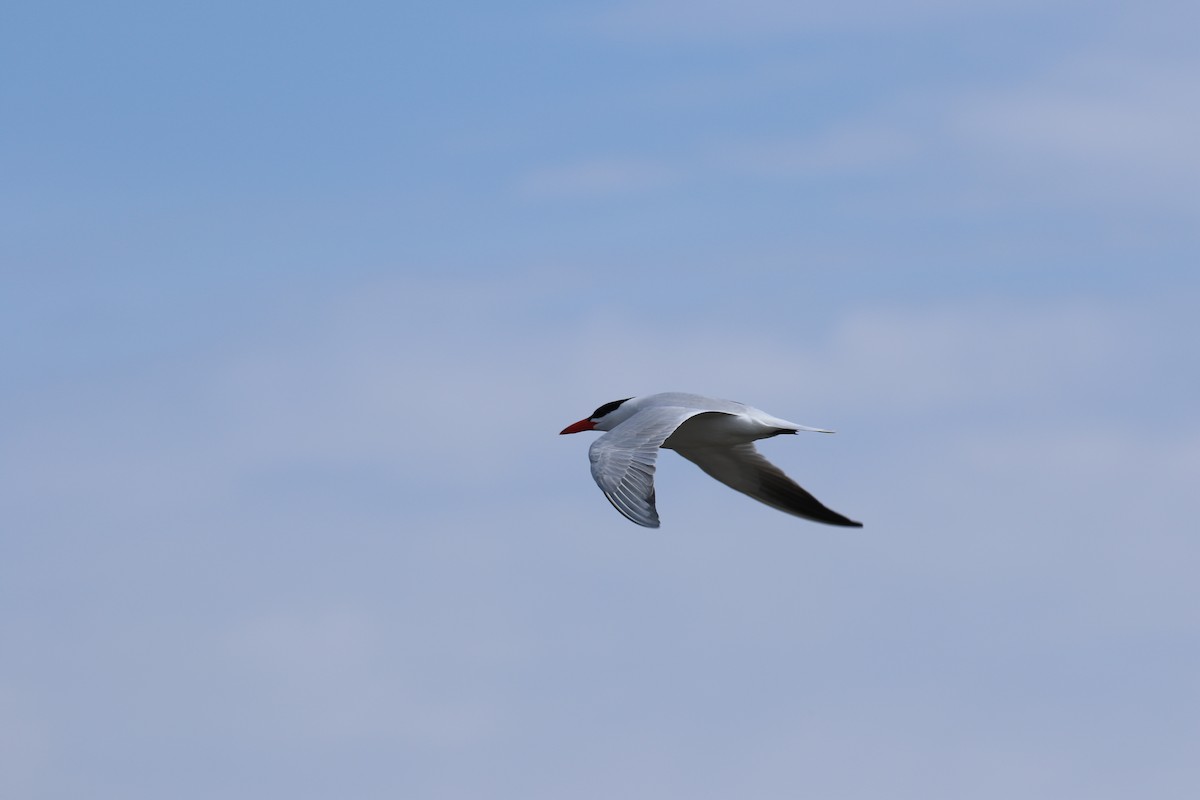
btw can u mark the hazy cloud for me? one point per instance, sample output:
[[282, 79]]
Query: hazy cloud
[[723, 20], [595, 178]]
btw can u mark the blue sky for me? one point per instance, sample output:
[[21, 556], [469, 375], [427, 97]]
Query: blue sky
[[297, 296]]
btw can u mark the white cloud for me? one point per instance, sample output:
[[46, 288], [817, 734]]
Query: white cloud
[[337, 675], [727, 20], [1093, 131], [1107, 123], [595, 178], [887, 360], [936, 359], [1136, 120], [852, 149]]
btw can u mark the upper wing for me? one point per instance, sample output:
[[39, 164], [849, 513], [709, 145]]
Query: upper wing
[[743, 468], [623, 460]]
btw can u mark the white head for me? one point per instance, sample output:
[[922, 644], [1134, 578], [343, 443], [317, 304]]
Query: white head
[[604, 418]]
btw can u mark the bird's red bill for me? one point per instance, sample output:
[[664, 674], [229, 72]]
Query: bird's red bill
[[576, 427]]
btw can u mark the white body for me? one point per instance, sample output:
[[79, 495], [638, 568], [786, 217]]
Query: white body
[[716, 435]]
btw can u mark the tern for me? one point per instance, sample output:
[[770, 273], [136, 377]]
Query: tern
[[716, 435]]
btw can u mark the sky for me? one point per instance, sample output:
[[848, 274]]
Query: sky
[[295, 298]]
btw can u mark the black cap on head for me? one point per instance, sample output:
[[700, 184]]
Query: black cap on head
[[607, 408]]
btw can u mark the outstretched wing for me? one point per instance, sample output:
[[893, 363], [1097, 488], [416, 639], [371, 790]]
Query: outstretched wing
[[623, 460], [743, 468]]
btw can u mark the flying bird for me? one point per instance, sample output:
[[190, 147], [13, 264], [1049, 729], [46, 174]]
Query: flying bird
[[716, 435]]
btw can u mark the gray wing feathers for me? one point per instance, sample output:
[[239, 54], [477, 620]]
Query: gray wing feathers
[[627, 479], [623, 461], [743, 468]]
